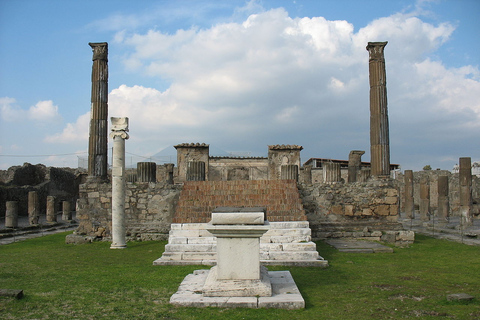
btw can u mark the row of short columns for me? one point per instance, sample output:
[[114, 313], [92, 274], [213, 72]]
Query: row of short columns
[[465, 191], [11, 213]]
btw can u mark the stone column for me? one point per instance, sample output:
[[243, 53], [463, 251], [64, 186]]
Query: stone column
[[443, 203], [66, 212], [169, 173], [354, 164], [119, 135], [379, 132], [409, 204], [51, 214], [424, 200], [307, 174], [146, 172], [11, 214], [331, 172], [98, 140], [465, 179], [195, 171], [33, 208], [289, 172]]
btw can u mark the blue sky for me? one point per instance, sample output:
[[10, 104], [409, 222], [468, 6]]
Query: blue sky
[[241, 75]]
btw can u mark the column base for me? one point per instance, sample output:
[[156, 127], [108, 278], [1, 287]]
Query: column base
[[118, 246]]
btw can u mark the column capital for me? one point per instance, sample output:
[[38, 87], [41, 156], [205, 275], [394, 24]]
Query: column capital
[[376, 50], [119, 127], [100, 50]]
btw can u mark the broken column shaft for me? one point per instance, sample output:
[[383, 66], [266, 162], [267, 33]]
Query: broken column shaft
[[379, 132], [98, 140], [465, 179], [409, 203]]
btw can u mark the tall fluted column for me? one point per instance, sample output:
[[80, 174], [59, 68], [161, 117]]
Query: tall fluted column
[[98, 140], [119, 135], [379, 132]]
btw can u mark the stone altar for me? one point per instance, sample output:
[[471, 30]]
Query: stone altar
[[238, 279]]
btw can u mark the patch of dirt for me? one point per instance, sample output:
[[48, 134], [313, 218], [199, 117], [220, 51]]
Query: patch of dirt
[[402, 297], [421, 313], [407, 278], [386, 287]]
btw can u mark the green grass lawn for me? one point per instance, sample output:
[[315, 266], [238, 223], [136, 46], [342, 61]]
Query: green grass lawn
[[93, 282]]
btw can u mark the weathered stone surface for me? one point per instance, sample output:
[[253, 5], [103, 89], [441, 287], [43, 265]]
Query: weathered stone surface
[[14, 293], [216, 287], [78, 239], [459, 297], [285, 294], [232, 218]]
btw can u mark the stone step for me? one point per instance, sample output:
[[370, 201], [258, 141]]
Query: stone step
[[286, 243]]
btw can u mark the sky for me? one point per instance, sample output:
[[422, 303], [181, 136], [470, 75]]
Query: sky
[[240, 75]]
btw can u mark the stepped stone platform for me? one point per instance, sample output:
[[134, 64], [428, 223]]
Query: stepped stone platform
[[288, 242]]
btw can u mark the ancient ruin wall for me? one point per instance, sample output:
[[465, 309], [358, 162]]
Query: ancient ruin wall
[[149, 210], [354, 210], [453, 187]]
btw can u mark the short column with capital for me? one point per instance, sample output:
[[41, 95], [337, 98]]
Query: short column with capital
[[119, 135]]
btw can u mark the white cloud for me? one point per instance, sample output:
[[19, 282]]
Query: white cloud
[[43, 111], [73, 132], [9, 111]]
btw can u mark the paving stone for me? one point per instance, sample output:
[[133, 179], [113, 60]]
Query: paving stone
[[459, 297]]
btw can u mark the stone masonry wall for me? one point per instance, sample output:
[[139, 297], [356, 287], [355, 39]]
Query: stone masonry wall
[[149, 210], [361, 210]]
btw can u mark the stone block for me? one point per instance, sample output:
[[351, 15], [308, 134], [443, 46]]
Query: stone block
[[189, 248], [78, 239], [233, 218], [193, 226], [391, 200], [199, 256], [382, 210], [367, 212], [337, 209], [302, 246], [172, 256], [459, 297], [271, 247], [349, 210], [293, 255], [392, 193], [202, 240], [177, 240], [405, 236], [394, 210], [176, 226], [376, 234]]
